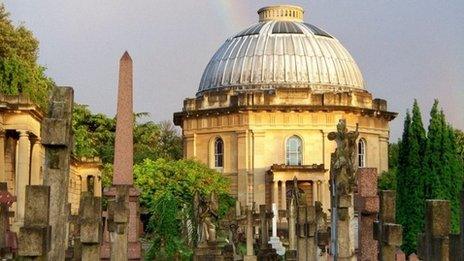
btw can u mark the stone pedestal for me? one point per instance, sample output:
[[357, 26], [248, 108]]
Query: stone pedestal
[[345, 233], [367, 205], [123, 223], [208, 252], [274, 241], [90, 226]]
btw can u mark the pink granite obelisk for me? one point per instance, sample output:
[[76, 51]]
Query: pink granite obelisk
[[123, 205], [124, 145]]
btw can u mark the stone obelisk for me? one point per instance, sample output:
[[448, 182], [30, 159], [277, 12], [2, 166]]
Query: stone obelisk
[[123, 207]]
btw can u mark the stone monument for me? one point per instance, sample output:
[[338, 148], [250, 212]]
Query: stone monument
[[275, 240], [342, 180], [123, 206]]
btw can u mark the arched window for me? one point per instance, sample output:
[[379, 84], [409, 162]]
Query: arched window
[[361, 153], [218, 153], [294, 148]]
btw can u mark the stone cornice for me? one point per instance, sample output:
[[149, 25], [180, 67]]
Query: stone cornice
[[20, 103], [179, 116]]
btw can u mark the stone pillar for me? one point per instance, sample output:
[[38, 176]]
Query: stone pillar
[[345, 233], [34, 236], [367, 205], [250, 255], [275, 241], [242, 167], [22, 175], [437, 229], [283, 195], [313, 184], [275, 192], [97, 186], [311, 227], [291, 254], [57, 138], [388, 234], [36, 162], [90, 226], [84, 185], [302, 233], [2, 156]]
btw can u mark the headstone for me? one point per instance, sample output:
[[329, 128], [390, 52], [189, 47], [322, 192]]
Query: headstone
[[437, 229], [367, 205], [266, 252], [35, 235], [57, 140], [389, 234], [342, 179], [123, 206], [90, 226]]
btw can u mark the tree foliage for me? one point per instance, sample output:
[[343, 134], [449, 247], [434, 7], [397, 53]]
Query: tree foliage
[[429, 167], [20, 72], [167, 191], [410, 195]]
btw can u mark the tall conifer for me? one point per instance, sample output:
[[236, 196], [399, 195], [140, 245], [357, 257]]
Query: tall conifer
[[411, 203], [451, 172], [433, 184]]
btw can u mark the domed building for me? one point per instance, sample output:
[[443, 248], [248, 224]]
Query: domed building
[[268, 99]]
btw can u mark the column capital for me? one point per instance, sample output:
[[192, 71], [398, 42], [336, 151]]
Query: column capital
[[23, 133]]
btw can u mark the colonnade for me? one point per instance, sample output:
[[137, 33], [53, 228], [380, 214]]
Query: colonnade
[[279, 191]]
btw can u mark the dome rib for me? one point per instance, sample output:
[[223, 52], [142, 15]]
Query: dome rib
[[275, 54]]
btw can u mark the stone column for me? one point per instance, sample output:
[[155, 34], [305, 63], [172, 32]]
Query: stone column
[[284, 195], [242, 167], [22, 175], [314, 193], [97, 186], [345, 233], [275, 192], [83, 182], [36, 162], [319, 190], [292, 252], [250, 255], [2, 156]]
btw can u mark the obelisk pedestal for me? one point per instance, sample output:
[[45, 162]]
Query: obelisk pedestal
[[123, 206]]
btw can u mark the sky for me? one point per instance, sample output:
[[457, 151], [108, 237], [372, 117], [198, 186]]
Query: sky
[[405, 49]]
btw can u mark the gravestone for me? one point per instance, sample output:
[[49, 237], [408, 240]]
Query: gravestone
[[57, 140], [367, 205], [90, 226], [35, 235]]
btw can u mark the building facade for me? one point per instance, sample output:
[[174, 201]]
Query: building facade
[[268, 99], [22, 156]]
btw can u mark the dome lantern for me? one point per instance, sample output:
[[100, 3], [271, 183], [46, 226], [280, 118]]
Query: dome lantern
[[281, 13]]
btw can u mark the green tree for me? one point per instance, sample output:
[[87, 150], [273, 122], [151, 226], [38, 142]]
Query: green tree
[[432, 168], [167, 191], [410, 195], [451, 173], [459, 137], [387, 181], [20, 72]]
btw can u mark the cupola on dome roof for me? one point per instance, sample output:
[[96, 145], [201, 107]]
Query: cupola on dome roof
[[281, 50]]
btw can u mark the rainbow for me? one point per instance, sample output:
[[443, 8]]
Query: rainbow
[[232, 13]]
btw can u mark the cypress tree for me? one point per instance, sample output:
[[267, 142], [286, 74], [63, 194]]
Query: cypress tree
[[433, 184], [411, 201], [451, 172]]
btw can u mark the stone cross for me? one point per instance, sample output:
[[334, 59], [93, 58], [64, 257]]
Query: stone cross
[[386, 231], [123, 206], [90, 226], [35, 236], [57, 140], [367, 205], [342, 178]]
